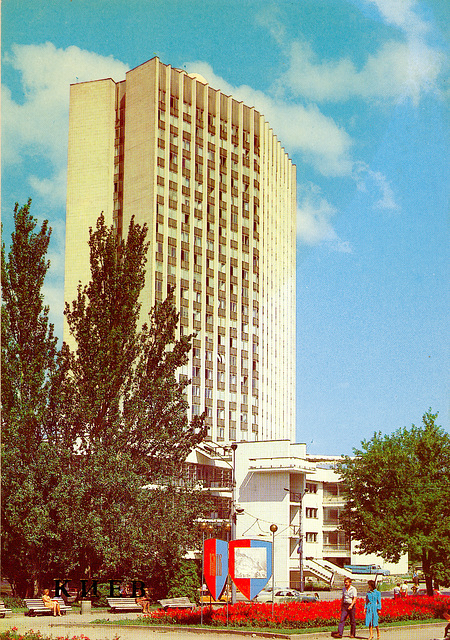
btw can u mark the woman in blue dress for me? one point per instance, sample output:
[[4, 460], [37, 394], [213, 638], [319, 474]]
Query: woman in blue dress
[[372, 607]]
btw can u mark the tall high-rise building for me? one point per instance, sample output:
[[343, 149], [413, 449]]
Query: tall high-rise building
[[216, 189]]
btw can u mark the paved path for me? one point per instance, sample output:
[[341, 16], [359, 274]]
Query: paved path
[[75, 624]]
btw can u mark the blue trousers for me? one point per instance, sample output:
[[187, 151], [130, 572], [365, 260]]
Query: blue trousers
[[347, 613]]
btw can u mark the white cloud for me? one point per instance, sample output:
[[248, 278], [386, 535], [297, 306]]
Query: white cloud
[[397, 71], [37, 124], [368, 180], [403, 68], [305, 130], [403, 15], [314, 216], [53, 189]]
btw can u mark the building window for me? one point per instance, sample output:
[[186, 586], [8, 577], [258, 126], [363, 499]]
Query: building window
[[311, 487], [311, 536], [311, 512]]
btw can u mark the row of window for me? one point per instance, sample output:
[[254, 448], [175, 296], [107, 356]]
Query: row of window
[[231, 415], [198, 410], [206, 474], [210, 155], [209, 375], [211, 158], [203, 117], [231, 359], [329, 538]]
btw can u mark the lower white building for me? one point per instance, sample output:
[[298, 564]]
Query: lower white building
[[278, 483]]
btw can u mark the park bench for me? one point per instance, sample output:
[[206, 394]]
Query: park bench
[[37, 607], [3, 610], [176, 603], [123, 604]]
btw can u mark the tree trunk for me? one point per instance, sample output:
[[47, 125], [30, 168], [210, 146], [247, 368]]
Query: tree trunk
[[426, 566]]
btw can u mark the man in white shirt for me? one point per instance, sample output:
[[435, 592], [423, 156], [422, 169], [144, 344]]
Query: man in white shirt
[[348, 603]]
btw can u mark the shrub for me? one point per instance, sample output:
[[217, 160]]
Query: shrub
[[186, 582], [13, 602], [300, 615]]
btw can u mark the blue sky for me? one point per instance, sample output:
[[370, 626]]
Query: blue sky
[[358, 93]]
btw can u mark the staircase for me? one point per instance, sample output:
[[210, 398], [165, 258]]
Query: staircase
[[327, 571], [319, 570]]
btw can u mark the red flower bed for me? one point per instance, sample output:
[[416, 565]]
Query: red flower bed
[[300, 615]]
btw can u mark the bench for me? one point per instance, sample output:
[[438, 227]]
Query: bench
[[176, 603], [123, 604], [37, 607], [3, 610]]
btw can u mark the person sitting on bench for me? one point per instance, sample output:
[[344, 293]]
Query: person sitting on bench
[[50, 603]]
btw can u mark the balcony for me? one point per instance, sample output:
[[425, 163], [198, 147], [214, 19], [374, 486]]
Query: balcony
[[331, 522], [281, 463], [336, 548]]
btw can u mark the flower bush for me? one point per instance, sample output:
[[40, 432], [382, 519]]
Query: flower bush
[[295, 615]]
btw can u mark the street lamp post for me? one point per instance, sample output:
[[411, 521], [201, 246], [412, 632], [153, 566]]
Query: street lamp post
[[274, 529], [202, 527], [233, 513], [227, 528], [299, 496]]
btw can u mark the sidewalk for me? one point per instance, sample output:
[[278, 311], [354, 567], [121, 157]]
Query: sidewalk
[[75, 624]]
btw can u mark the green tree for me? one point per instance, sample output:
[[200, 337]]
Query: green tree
[[118, 412], [94, 438], [28, 359], [398, 489]]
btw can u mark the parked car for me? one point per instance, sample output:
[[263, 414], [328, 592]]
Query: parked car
[[286, 595]]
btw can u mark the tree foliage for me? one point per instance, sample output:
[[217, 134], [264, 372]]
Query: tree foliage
[[398, 489], [28, 359], [100, 496], [124, 392], [28, 343], [124, 411], [186, 582]]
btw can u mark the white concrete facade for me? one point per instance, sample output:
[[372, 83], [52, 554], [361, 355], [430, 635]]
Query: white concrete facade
[[278, 483], [218, 193]]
